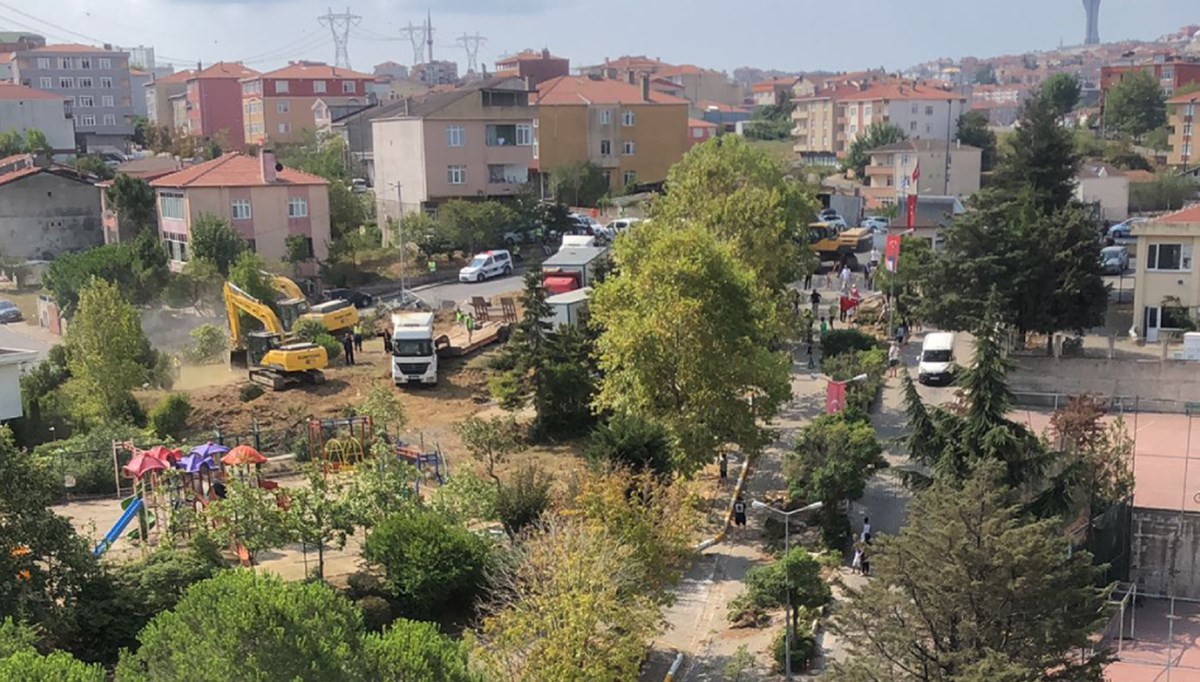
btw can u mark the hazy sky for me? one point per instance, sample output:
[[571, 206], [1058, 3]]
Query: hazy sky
[[784, 34]]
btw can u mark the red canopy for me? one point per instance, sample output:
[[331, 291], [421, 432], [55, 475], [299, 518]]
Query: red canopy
[[243, 454], [560, 284], [164, 454], [142, 464]]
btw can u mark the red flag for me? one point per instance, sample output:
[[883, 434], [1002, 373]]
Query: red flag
[[835, 396], [891, 253], [912, 210], [916, 175]]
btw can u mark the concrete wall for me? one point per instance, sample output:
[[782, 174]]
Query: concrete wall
[[399, 151], [1163, 380], [10, 391], [46, 115], [43, 216], [1163, 543], [1111, 193]]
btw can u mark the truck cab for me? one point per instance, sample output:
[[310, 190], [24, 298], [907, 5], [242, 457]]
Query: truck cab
[[414, 358]]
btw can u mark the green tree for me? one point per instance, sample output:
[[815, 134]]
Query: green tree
[[320, 513], [905, 292], [973, 130], [346, 210], [581, 183], [384, 408], [135, 202], [1041, 162], [11, 142], [138, 270], [986, 75], [681, 300], [213, 240], [631, 442], [524, 498], [108, 353], [383, 487], [795, 577], [318, 153], [832, 461], [474, 225], [93, 164], [251, 517], [30, 666], [411, 650], [772, 122], [875, 136], [169, 417], [245, 626], [1135, 105], [490, 441], [296, 249], [36, 142], [430, 563], [248, 272], [745, 198], [939, 608], [1061, 90]]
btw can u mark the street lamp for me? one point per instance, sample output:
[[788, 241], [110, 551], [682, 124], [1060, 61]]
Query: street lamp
[[787, 547]]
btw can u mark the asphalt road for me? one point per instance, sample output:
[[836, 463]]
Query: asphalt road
[[461, 292], [13, 336]]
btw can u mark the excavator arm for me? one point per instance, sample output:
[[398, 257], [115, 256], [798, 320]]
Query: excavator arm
[[237, 300], [285, 286]]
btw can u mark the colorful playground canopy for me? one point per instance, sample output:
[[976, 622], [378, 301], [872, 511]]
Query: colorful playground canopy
[[209, 449], [194, 463], [243, 454], [164, 454], [142, 464]]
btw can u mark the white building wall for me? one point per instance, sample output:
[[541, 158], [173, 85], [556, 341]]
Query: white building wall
[[46, 115], [399, 151], [926, 119]]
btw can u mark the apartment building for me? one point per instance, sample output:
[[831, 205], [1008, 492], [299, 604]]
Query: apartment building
[[815, 125], [696, 84], [279, 105], [1181, 117], [921, 111], [945, 170], [472, 142], [158, 94], [213, 103], [23, 109], [535, 66], [700, 131], [435, 73], [772, 92], [1000, 103], [633, 133], [263, 204], [1166, 288], [95, 79], [1171, 71]]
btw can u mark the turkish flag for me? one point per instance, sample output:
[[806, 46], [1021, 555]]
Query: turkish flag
[[916, 174], [835, 397], [912, 210], [891, 253]]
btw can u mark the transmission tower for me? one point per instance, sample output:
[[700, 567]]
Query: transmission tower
[[340, 25], [416, 36], [471, 45]]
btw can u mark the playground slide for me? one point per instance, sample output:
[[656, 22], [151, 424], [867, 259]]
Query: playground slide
[[128, 515]]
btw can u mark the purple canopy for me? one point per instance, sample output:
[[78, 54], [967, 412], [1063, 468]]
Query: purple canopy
[[209, 449], [195, 462]]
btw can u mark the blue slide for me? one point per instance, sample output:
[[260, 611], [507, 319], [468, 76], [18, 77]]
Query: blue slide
[[131, 511]]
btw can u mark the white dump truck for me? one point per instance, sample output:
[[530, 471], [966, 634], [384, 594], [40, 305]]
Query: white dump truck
[[414, 358]]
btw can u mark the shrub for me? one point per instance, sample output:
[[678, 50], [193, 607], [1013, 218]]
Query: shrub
[[169, 417], [309, 330], [376, 611], [842, 341], [860, 395], [522, 500], [249, 392], [332, 347], [631, 442], [209, 344], [804, 647]]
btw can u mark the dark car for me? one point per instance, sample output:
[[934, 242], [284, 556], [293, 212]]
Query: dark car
[[9, 312], [357, 298]]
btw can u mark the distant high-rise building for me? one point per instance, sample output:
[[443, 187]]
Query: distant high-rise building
[[1092, 7]]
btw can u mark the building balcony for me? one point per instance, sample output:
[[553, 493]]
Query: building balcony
[[880, 171], [607, 161]]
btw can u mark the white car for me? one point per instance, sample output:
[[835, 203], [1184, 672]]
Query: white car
[[875, 223], [486, 265], [620, 225]]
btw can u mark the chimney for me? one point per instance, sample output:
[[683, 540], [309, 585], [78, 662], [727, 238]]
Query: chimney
[[631, 77], [645, 88], [545, 53], [266, 159]]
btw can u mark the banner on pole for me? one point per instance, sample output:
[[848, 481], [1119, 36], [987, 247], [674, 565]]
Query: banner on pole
[[911, 212], [891, 256], [835, 397]]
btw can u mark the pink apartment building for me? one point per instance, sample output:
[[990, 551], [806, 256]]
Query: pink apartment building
[[214, 103], [263, 201]]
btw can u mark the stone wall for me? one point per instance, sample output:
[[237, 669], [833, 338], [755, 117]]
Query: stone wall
[[44, 216]]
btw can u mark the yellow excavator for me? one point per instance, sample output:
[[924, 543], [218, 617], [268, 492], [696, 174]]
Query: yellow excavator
[[336, 316], [832, 244], [272, 359]]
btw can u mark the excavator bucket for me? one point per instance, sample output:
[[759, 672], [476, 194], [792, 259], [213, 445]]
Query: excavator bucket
[[239, 358]]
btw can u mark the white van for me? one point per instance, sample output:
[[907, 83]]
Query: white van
[[494, 263], [937, 358]]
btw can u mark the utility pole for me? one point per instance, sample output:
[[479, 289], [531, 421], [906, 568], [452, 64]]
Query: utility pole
[[340, 25], [471, 45], [416, 36]]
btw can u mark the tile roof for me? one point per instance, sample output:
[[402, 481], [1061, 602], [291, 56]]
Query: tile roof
[[526, 56], [314, 70], [61, 171], [1091, 168], [226, 70], [233, 170], [1185, 98], [1137, 175], [1190, 214], [773, 84], [7, 57], [684, 70], [585, 90], [179, 77], [635, 62], [12, 91], [71, 47], [917, 145], [903, 91], [697, 123]]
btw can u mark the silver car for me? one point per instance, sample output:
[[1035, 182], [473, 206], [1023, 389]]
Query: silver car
[[1114, 260]]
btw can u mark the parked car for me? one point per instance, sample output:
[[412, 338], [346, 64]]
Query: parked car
[[494, 263], [616, 227], [876, 223], [356, 298], [827, 213], [358, 185], [9, 312], [1121, 234], [1114, 260], [585, 224]]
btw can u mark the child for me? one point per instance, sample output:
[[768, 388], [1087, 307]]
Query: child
[[739, 513]]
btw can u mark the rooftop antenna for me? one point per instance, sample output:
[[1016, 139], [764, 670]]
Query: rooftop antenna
[[471, 45], [340, 25]]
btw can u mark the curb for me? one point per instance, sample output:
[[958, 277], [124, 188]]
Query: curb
[[737, 492], [674, 667]]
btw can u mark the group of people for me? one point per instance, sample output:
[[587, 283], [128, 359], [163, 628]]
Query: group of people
[[352, 342], [861, 563]]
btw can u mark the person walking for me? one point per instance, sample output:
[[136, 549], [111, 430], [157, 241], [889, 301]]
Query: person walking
[[812, 363], [808, 281], [868, 273], [893, 359], [866, 554], [432, 267], [348, 348], [815, 298], [845, 277], [386, 336], [723, 469], [824, 328], [469, 323], [358, 338], [739, 513], [857, 562], [866, 529]]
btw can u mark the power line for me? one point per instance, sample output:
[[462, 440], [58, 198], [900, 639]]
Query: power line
[[286, 51], [339, 27], [415, 35], [471, 45]]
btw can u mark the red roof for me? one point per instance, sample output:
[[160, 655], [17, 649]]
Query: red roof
[[71, 47], [14, 91], [18, 174], [697, 123], [1184, 99], [175, 78], [1191, 214], [315, 71], [526, 56], [584, 90], [233, 170], [899, 91], [61, 171], [7, 57], [227, 70], [773, 84], [636, 62]]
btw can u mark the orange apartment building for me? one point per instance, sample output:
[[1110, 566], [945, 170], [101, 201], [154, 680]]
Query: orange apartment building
[[1181, 117], [279, 105]]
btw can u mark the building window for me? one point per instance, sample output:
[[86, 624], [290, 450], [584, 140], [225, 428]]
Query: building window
[[524, 135], [281, 87], [110, 119], [853, 128], [84, 82], [105, 82], [285, 128], [929, 110], [84, 101], [867, 111], [456, 175], [106, 100], [281, 107], [64, 63], [914, 108], [627, 148], [912, 125], [853, 111], [456, 136], [87, 121], [629, 178], [605, 117], [297, 207], [1172, 257], [45, 82], [318, 86], [628, 118], [928, 129], [105, 63], [171, 206], [176, 246], [241, 209], [66, 83], [43, 62], [605, 147], [348, 87], [85, 63]]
